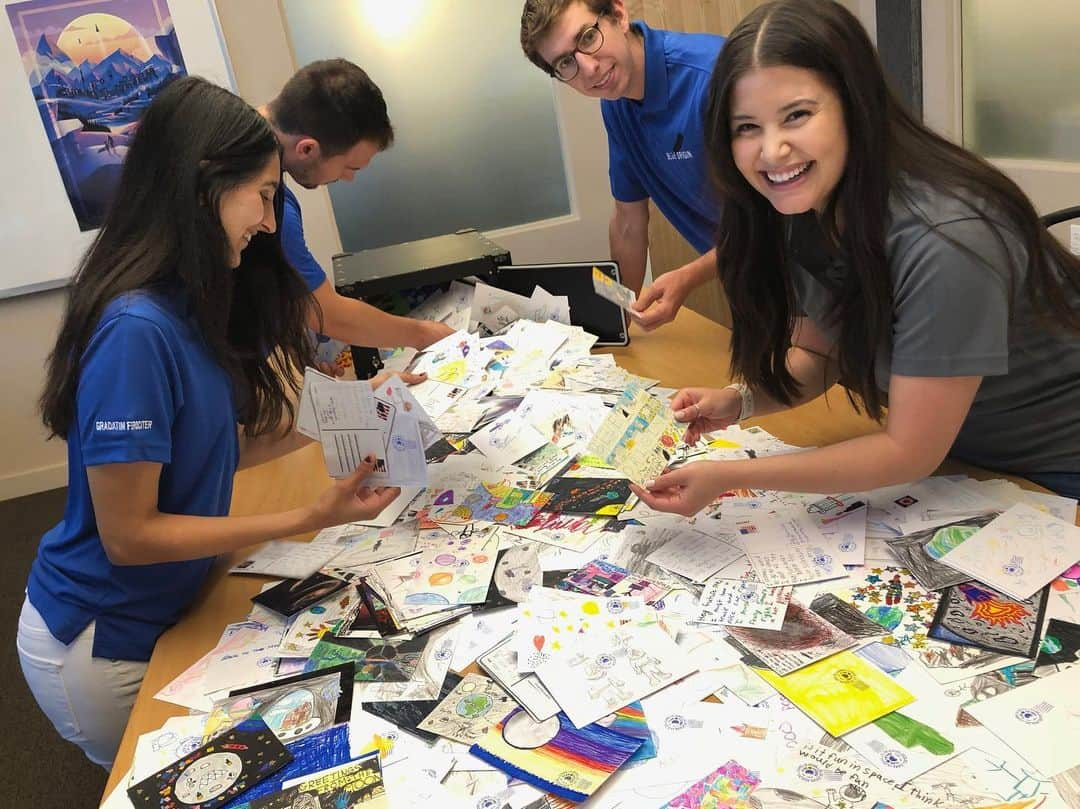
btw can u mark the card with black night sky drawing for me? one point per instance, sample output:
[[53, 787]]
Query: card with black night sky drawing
[[291, 597], [599, 496], [217, 772], [974, 614], [408, 714]]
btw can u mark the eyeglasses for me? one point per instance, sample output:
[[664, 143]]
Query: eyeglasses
[[589, 41]]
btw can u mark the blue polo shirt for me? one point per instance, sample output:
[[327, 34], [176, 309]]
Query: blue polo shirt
[[656, 146], [294, 244], [149, 390]]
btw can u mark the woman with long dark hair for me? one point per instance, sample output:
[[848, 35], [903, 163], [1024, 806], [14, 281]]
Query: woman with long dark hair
[[182, 320], [856, 245]]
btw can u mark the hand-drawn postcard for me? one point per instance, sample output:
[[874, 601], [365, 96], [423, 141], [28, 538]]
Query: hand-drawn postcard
[[803, 639], [378, 661], [159, 748], [729, 785], [363, 547], [475, 704], [500, 663], [601, 497], [921, 551], [358, 783], [638, 437], [555, 756], [731, 602], [426, 681], [846, 617], [976, 778], [433, 579], [217, 772], [609, 289], [608, 670], [1059, 649], [1018, 553], [973, 614], [408, 714], [291, 597], [891, 597], [551, 619], [499, 504], [306, 627], [517, 572], [571, 531], [694, 555], [841, 692], [292, 707], [1040, 721], [600, 578]]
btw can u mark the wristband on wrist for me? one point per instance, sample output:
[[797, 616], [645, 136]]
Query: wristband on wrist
[[747, 397]]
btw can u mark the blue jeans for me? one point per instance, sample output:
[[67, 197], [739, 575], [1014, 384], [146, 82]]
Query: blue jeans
[[1067, 484]]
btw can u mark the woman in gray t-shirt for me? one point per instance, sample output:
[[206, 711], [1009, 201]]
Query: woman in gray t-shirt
[[855, 245]]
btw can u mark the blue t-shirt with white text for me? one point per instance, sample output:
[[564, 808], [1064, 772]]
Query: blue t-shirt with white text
[[149, 389], [656, 146]]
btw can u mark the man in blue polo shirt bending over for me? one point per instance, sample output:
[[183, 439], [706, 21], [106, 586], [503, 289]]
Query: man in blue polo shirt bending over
[[653, 86], [331, 120]]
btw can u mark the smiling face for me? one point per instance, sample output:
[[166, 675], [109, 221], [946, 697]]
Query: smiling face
[[788, 137], [310, 169], [616, 69], [248, 209]]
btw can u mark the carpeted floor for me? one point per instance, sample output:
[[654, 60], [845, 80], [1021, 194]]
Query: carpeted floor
[[37, 767]]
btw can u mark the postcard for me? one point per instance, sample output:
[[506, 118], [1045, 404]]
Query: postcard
[[607, 670], [638, 437], [217, 772], [973, 614], [557, 757], [1059, 649], [1018, 553], [286, 559], [731, 602], [292, 707], [359, 782], [921, 551], [846, 617], [693, 554], [500, 662], [601, 497], [803, 639], [290, 597], [609, 289], [729, 785], [475, 704], [841, 692], [408, 714], [787, 548], [376, 660], [1040, 720], [601, 578], [306, 627]]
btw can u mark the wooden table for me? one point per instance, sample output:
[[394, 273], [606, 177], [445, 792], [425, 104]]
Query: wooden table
[[690, 351]]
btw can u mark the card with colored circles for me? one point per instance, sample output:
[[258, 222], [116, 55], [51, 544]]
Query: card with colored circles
[[217, 772], [601, 497]]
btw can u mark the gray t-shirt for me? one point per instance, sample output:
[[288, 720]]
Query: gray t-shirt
[[951, 318]]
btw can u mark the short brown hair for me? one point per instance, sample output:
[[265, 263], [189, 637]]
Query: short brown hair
[[335, 102], [537, 18]]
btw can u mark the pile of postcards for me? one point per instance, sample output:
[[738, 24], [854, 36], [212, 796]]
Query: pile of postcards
[[518, 630]]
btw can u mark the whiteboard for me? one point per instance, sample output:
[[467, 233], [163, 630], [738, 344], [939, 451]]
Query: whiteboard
[[40, 240]]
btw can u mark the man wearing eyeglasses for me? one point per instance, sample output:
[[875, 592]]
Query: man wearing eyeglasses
[[653, 87]]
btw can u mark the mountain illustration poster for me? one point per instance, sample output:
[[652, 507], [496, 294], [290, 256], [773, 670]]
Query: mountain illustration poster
[[93, 67]]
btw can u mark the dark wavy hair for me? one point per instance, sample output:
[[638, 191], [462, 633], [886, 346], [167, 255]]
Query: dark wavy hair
[[887, 148], [163, 234]]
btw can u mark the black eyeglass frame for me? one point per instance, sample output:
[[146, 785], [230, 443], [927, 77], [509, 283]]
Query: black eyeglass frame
[[578, 49]]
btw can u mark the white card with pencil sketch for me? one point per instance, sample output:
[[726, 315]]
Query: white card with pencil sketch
[[610, 289]]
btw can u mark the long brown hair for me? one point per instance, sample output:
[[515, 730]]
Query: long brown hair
[[163, 234], [887, 147]]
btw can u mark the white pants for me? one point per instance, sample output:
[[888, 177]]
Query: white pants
[[87, 698]]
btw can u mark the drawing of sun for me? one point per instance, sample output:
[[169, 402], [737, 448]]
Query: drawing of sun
[[92, 37], [999, 613]]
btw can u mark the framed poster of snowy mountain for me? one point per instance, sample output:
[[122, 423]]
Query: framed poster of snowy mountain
[[75, 77]]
